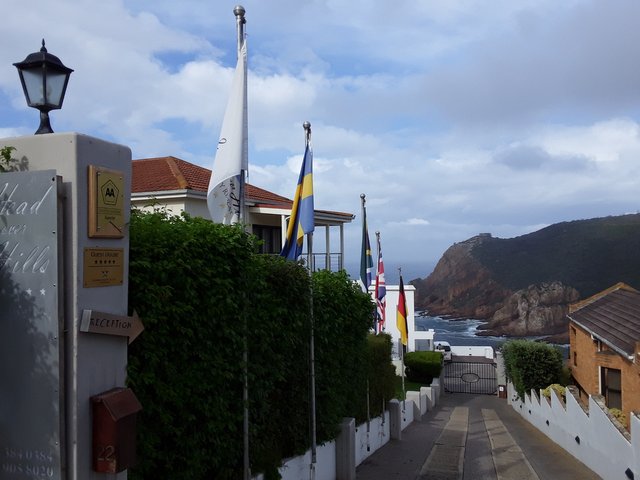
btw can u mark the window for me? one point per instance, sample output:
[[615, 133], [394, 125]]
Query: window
[[575, 359], [270, 236], [611, 387]]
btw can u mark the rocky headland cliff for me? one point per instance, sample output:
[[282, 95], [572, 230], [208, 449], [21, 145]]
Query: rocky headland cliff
[[524, 286]]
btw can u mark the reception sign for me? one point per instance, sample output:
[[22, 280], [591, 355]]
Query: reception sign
[[30, 353]]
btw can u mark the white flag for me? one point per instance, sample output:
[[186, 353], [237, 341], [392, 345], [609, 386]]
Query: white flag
[[224, 195]]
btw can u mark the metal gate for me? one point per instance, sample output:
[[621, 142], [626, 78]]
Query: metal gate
[[470, 377]]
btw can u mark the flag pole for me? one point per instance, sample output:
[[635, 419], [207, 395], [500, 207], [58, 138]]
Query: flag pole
[[363, 259], [377, 323], [239, 12], [363, 278], [404, 394], [312, 361], [366, 262], [378, 320]]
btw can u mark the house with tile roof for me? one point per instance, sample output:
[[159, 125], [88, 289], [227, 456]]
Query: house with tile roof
[[604, 336], [180, 186]]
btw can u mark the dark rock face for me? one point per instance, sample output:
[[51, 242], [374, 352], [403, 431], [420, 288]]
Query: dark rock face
[[460, 286], [514, 284], [536, 310]]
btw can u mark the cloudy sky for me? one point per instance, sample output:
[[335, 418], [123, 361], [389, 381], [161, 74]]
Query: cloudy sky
[[453, 117]]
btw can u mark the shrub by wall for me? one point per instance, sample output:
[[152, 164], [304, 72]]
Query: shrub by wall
[[343, 316], [188, 278], [203, 292], [382, 373], [422, 366], [531, 365]]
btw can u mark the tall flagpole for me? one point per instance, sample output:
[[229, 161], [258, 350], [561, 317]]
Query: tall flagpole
[[404, 394], [307, 143], [363, 255], [239, 12], [378, 320], [312, 360]]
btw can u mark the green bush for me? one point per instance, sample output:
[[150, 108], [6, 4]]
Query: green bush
[[188, 278], [382, 373], [422, 367], [5, 158], [279, 338], [343, 316], [203, 294], [531, 365], [619, 416], [560, 390]]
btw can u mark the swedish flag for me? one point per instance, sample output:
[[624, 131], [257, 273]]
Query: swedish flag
[[301, 221]]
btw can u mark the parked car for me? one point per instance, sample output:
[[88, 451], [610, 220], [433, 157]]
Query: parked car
[[445, 348]]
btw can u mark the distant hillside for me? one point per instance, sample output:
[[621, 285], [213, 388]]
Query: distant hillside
[[519, 283], [590, 255]]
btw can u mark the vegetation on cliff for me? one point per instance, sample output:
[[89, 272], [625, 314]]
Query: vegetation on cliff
[[523, 285], [589, 255]]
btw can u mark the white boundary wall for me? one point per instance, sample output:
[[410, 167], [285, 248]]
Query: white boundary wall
[[486, 352], [590, 436], [377, 437], [298, 468]]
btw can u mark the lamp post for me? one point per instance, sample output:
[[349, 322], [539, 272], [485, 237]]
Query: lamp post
[[44, 81]]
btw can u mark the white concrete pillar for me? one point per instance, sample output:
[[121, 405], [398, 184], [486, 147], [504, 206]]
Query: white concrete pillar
[[346, 450]]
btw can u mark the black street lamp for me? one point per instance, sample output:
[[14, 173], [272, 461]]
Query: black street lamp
[[44, 81]]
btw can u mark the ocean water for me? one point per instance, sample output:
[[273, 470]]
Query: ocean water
[[463, 333], [457, 332]]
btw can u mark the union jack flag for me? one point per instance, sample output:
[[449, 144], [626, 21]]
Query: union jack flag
[[381, 291]]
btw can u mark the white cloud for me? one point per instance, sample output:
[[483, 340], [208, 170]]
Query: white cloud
[[478, 117]]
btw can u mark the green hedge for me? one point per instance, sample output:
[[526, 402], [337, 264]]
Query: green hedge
[[187, 280], [382, 373], [531, 365], [197, 285], [423, 366]]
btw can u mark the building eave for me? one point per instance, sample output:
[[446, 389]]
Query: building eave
[[166, 194], [611, 345]]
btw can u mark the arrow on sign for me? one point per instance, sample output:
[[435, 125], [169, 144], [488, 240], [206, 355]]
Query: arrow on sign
[[111, 324]]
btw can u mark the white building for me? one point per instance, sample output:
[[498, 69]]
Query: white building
[[417, 340], [180, 186]]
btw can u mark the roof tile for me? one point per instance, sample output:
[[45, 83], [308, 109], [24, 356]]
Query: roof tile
[[170, 173], [613, 317]]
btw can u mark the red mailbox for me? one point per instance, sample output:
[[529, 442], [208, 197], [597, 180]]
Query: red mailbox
[[114, 430]]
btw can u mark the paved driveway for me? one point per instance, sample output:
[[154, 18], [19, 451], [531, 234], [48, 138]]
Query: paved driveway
[[472, 437]]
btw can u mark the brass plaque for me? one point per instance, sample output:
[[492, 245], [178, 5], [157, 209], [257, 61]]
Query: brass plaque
[[103, 267], [106, 203]]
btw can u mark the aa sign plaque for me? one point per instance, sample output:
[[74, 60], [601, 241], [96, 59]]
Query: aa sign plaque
[[106, 203]]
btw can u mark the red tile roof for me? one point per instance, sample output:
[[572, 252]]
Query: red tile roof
[[171, 173]]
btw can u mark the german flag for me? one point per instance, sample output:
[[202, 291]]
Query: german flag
[[401, 316]]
